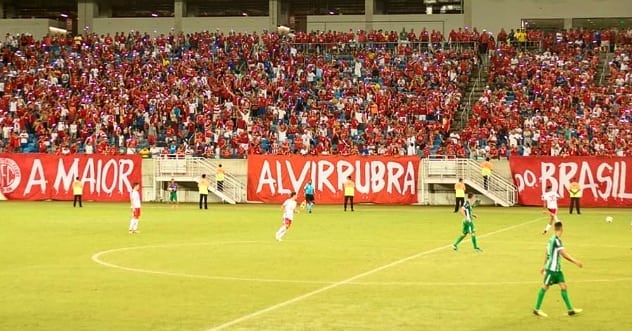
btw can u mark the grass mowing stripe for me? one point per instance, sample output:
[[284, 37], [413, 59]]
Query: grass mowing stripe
[[353, 278]]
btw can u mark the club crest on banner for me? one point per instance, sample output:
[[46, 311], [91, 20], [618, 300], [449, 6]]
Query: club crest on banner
[[10, 175]]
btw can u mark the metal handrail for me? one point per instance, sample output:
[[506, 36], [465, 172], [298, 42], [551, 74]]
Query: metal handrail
[[194, 167], [498, 187], [465, 113], [476, 83], [606, 66], [233, 188]]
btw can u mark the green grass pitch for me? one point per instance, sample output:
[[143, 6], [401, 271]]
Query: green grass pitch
[[378, 268]]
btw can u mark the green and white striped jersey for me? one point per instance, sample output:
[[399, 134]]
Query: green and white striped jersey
[[467, 207], [554, 246]]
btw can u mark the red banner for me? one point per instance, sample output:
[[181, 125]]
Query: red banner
[[603, 179], [45, 176], [389, 180]]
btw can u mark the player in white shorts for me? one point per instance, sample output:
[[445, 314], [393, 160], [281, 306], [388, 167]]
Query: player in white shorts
[[289, 208], [134, 198], [550, 198]]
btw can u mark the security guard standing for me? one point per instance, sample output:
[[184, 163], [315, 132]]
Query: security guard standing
[[77, 192], [486, 171], [203, 185], [219, 178], [459, 193], [349, 190], [575, 191]]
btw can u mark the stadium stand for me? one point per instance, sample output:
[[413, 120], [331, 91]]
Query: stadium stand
[[551, 102], [227, 95]]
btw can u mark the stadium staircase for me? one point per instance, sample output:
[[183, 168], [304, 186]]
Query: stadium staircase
[[189, 169], [473, 92], [445, 170], [603, 70]]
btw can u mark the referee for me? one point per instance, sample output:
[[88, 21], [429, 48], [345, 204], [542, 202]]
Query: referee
[[309, 196]]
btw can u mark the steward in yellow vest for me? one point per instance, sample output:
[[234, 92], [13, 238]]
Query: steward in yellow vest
[[203, 185], [349, 189], [575, 192], [77, 192], [459, 194]]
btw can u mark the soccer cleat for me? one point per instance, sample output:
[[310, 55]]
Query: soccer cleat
[[478, 249], [540, 313], [544, 232], [574, 311], [455, 248]]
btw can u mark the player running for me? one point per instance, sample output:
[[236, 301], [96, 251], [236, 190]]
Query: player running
[[550, 198], [289, 208]]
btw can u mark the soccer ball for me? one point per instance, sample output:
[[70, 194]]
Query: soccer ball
[[609, 219]]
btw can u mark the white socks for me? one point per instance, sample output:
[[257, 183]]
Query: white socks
[[281, 232], [548, 226], [133, 224]]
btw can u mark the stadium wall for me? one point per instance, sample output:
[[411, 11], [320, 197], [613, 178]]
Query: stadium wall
[[165, 25], [484, 14], [238, 24], [441, 195], [442, 23], [36, 26], [495, 14], [156, 25]]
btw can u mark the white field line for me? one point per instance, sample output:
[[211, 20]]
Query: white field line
[[97, 258], [353, 278], [603, 280]]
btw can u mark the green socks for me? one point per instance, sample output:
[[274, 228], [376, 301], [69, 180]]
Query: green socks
[[541, 293], [567, 301], [459, 239], [538, 302], [474, 241]]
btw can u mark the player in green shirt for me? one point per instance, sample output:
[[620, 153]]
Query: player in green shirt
[[552, 272], [468, 223]]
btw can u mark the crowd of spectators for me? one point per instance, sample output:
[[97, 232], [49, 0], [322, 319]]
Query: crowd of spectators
[[555, 102], [231, 94], [227, 95]]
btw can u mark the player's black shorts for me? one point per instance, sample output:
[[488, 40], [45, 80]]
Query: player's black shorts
[[309, 198]]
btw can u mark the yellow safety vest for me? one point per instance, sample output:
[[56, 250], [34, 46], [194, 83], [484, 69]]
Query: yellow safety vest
[[203, 186], [459, 189], [486, 168], [349, 188], [220, 174], [575, 190], [77, 187]]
